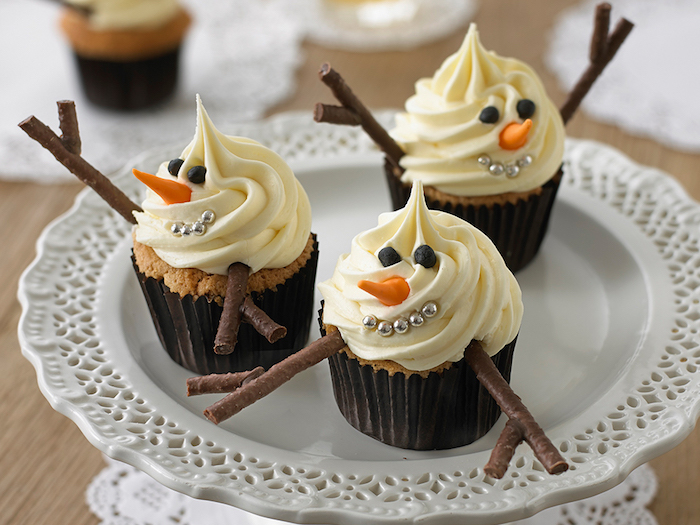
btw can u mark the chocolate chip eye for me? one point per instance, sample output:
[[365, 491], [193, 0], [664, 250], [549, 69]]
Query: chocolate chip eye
[[526, 108], [388, 256], [174, 166], [489, 115], [425, 256], [197, 174]]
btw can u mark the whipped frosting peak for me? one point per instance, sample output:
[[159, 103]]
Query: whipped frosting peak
[[127, 14], [444, 134], [474, 294], [261, 213]]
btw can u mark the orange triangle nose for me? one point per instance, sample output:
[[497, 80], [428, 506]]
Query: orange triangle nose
[[391, 292], [172, 192], [514, 135]]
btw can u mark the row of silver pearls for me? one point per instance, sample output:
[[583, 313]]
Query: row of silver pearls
[[184, 229], [402, 324], [511, 169]]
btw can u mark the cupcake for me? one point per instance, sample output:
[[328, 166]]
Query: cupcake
[[225, 200], [127, 51], [419, 325], [408, 299], [487, 142]]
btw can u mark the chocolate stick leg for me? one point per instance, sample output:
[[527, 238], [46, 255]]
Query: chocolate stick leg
[[275, 377], [502, 453], [230, 321], [221, 383], [347, 98], [603, 49], [77, 165], [262, 323], [489, 376]]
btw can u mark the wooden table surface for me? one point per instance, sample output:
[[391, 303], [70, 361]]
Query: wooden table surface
[[46, 463]]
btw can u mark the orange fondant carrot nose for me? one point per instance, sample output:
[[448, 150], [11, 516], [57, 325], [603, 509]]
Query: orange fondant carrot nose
[[391, 292], [514, 135], [171, 191]]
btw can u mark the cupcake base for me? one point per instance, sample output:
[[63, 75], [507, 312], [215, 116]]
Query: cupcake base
[[516, 224], [187, 327], [129, 85], [433, 411]]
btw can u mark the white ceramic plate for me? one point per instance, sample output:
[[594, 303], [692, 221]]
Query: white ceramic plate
[[607, 358]]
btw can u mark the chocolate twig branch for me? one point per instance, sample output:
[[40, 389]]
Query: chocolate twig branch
[[603, 49], [66, 149], [278, 374], [353, 113], [221, 383], [521, 426], [240, 307]]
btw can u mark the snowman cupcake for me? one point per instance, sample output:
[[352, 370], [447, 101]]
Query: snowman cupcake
[[487, 142], [408, 299], [225, 200]]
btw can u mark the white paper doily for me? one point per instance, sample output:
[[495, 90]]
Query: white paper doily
[[649, 87], [123, 495], [240, 56], [425, 20]]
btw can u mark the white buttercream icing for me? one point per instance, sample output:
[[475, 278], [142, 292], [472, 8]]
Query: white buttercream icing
[[477, 296], [127, 14], [263, 215], [443, 136]]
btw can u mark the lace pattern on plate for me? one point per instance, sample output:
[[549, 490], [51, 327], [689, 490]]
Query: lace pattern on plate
[[123, 495]]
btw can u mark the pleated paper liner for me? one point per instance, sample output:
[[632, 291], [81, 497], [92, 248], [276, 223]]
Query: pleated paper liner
[[187, 328], [129, 85], [443, 410], [517, 230]]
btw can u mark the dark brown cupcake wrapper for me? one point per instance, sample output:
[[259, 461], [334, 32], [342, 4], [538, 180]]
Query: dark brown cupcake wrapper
[[129, 85], [443, 410], [517, 230], [187, 328]]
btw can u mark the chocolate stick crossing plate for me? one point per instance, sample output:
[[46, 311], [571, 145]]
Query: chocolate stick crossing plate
[[607, 358]]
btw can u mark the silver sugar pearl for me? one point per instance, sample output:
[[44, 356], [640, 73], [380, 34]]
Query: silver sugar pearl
[[384, 328], [496, 168], [198, 228], [512, 170], [416, 319], [369, 322], [186, 230], [525, 161], [176, 228], [208, 217], [401, 325], [429, 309], [484, 160]]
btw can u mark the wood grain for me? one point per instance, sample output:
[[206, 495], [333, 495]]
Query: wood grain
[[46, 463]]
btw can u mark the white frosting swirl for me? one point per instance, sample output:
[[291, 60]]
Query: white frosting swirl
[[263, 215], [443, 137], [477, 295], [127, 14]]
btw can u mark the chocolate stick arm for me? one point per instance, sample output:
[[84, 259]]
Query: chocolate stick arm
[[68, 123], [230, 321], [511, 405], [503, 451], [80, 167], [347, 98], [262, 323], [221, 383], [275, 377], [603, 49]]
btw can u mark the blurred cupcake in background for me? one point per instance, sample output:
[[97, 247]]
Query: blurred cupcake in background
[[127, 51]]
